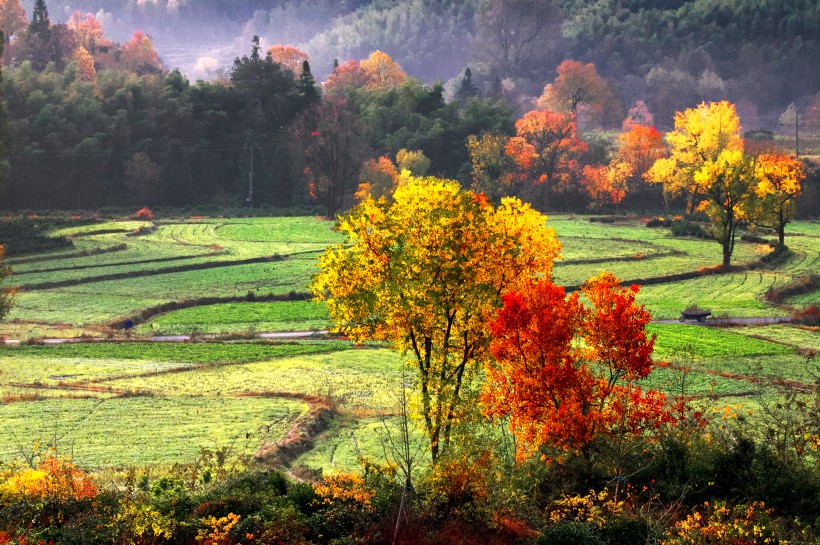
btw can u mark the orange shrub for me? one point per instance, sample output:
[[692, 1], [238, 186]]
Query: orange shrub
[[53, 478], [145, 214]]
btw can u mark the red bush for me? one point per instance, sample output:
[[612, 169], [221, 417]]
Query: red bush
[[145, 214]]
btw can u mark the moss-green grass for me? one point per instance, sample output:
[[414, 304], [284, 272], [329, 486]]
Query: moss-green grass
[[143, 430], [192, 352], [706, 342], [807, 338], [241, 317], [358, 380]]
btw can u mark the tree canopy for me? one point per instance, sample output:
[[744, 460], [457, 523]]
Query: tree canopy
[[426, 272]]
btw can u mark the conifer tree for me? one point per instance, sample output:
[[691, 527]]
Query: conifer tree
[[39, 18], [306, 86], [467, 89]]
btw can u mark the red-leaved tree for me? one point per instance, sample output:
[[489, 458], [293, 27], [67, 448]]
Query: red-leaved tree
[[566, 374]]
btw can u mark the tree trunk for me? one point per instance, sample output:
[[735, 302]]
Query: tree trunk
[[727, 253]]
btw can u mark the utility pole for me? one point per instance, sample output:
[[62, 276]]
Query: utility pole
[[250, 181], [796, 134]]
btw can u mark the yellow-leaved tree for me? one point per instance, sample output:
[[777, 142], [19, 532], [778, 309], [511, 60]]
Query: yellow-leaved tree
[[426, 272], [778, 187], [700, 135], [706, 162]]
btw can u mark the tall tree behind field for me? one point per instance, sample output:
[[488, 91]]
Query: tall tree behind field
[[12, 18], [517, 35], [5, 135]]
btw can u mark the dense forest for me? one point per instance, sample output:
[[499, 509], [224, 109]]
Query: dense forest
[[95, 121]]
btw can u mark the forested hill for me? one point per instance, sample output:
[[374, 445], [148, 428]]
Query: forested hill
[[758, 51]]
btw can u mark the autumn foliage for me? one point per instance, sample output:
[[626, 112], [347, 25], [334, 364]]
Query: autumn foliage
[[546, 147], [289, 57], [426, 272], [566, 374], [53, 478], [577, 83], [144, 214], [607, 184], [377, 179]]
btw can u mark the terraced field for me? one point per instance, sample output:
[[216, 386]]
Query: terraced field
[[120, 403]]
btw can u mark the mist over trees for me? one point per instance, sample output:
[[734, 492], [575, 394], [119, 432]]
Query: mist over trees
[[103, 108]]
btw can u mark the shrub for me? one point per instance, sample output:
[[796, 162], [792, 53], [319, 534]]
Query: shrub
[[754, 239], [809, 316], [53, 478], [749, 524], [144, 214], [659, 222], [570, 533], [686, 228]]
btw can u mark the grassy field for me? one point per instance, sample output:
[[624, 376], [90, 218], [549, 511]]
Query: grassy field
[[143, 430], [164, 264], [241, 317], [134, 403]]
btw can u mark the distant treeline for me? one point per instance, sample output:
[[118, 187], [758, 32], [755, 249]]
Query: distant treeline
[[669, 53], [93, 123]]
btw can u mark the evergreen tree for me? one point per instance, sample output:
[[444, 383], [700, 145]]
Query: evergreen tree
[[39, 18], [255, 49], [467, 89], [306, 86]]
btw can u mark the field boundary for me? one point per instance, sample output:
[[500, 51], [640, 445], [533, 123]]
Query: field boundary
[[69, 255], [302, 435], [146, 314], [151, 272], [120, 263]]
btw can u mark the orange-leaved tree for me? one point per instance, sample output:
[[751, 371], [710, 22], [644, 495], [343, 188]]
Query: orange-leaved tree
[[607, 184], [377, 179], [139, 56], [87, 31], [567, 375], [778, 186], [383, 71], [577, 83], [346, 78], [426, 272], [288, 57], [640, 146], [546, 147]]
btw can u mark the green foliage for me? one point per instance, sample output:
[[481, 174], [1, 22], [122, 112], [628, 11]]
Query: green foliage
[[684, 228], [22, 235], [570, 533]]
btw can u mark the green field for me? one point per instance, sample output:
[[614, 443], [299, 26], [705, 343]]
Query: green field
[[151, 403], [241, 317], [166, 264]]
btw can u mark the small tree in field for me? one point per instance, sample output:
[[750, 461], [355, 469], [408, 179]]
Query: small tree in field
[[426, 272], [779, 178], [566, 375]]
